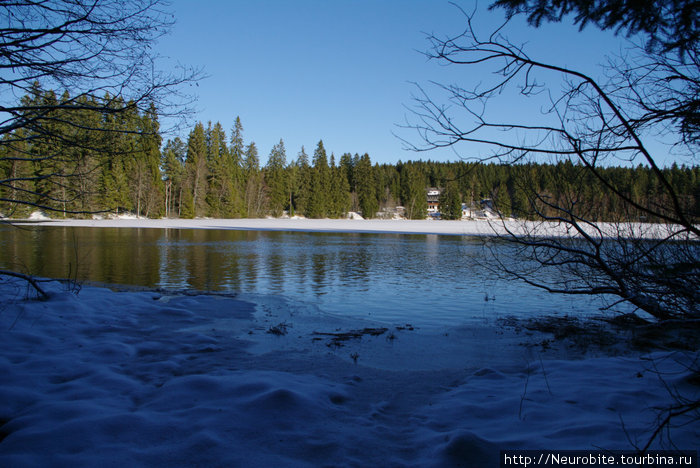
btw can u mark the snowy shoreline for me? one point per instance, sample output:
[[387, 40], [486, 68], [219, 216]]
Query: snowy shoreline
[[145, 378], [471, 227]]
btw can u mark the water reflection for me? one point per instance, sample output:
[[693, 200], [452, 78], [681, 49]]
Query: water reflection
[[424, 279]]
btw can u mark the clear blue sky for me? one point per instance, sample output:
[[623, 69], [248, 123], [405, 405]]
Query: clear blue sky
[[337, 70]]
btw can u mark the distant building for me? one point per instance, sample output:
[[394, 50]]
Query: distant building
[[487, 204], [467, 211], [483, 209], [433, 201], [487, 210]]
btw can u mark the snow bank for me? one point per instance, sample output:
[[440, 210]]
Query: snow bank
[[470, 227], [38, 216], [291, 224], [145, 378]]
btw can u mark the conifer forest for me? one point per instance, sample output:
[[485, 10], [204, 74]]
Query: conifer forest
[[114, 163]]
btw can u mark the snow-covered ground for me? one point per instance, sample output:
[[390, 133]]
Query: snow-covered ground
[[106, 378], [289, 224], [471, 227]]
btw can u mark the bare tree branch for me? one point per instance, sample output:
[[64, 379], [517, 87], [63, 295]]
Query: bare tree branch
[[99, 54], [588, 123]]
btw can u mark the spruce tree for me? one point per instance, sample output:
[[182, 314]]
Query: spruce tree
[[173, 165], [340, 191], [196, 165], [302, 194], [114, 181], [17, 192], [255, 193], [217, 163], [366, 187], [320, 184], [276, 179], [346, 168], [48, 144], [414, 195], [235, 206], [292, 172], [450, 202], [237, 148], [151, 190], [83, 169]]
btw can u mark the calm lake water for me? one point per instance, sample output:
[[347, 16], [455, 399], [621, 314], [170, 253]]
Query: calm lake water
[[425, 280]]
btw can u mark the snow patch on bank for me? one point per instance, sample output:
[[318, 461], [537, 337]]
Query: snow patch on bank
[[38, 216]]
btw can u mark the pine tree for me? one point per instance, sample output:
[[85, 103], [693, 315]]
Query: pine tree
[[320, 184], [276, 179], [234, 201], [82, 166], [519, 205], [146, 174], [255, 193], [450, 202], [302, 193], [196, 165], [17, 174], [45, 145], [347, 169], [292, 172], [173, 165], [132, 170], [114, 183], [414, 195], [340, 191], [219, 181], [366, 187], [237, 148]]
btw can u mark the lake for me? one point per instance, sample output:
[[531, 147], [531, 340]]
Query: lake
[[424, 280]]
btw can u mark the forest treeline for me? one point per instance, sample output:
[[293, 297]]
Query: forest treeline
[[117, 162]]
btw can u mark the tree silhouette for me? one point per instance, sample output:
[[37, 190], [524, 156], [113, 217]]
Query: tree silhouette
[[100, 53], [591, 124]]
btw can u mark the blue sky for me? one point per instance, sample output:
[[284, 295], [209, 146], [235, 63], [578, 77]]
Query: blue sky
[[338, 70]]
